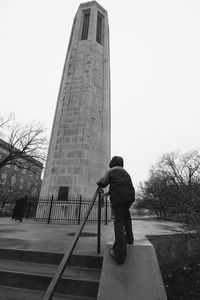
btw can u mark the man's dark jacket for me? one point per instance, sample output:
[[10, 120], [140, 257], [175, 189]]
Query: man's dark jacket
[[121, 189]]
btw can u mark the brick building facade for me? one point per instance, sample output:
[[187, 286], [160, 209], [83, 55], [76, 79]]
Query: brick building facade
[[16, 180]]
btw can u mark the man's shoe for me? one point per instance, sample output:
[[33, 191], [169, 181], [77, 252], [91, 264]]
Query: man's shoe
[[116, 259], [129, 241]]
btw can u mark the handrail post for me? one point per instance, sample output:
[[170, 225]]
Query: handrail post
[[49, 218], [99, 222], [106, 214], [79, 211]]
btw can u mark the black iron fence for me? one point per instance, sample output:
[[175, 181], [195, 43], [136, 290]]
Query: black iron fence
[[70, 211]]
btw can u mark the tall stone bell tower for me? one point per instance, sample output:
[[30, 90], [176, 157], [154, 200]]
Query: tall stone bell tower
[[79, 149]]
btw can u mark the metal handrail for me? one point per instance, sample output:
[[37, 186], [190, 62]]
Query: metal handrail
[[53, 284]]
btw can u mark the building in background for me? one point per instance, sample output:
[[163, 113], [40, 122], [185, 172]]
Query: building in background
[[79, 149], [15, 180]]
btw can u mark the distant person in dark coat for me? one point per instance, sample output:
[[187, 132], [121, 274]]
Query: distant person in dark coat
[[19, 208], [122, 195]]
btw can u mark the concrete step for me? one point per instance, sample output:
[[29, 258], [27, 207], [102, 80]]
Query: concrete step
[[10, 293], [72, 272], [66, 286], [80, 260], [31, 272], [25, 275]]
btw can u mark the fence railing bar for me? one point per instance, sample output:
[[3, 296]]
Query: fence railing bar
[[79, 211], [50, 209], [99, 222], [52, 286]]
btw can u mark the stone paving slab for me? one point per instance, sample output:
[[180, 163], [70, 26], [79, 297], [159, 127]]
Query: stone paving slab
[[35, 236]]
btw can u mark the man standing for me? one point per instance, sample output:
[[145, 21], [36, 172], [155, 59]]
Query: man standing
[[19, 209], [122, 195]]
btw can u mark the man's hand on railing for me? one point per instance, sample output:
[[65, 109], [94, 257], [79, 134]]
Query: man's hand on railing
[[106, 195]]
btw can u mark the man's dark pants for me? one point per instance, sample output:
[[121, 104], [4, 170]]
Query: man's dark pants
[[123, 230]]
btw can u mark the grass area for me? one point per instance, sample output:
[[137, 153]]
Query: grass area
[[183, 283]]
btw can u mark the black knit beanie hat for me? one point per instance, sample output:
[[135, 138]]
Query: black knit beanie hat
[[116, 161]]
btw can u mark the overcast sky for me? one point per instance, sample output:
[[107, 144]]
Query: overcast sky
[[155, 71]]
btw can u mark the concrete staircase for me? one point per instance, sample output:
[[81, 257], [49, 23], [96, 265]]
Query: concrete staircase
[[27, 274]]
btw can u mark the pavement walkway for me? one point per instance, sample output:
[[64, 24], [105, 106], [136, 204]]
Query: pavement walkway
[[35, 236]]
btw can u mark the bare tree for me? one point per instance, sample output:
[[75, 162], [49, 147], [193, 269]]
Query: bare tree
[[5, 122], [183, 169], [24, 143], [155, 194], [174, 185]]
